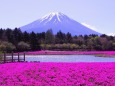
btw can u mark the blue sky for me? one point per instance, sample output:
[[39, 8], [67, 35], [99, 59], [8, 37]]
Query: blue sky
[[97, 14]]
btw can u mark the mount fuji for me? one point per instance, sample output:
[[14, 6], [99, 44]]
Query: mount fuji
[[58, 22]]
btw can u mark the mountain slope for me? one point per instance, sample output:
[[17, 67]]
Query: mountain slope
[[58, 21]]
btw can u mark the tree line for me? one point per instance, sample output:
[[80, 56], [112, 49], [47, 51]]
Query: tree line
[[16, 40]]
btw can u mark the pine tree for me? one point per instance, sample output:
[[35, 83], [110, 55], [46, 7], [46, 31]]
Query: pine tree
[[49, 37], [34, 43]]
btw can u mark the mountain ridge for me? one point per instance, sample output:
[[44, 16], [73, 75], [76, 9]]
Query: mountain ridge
[[58, 21]]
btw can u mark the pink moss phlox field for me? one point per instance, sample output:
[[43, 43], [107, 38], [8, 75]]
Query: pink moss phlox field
[[70, 52], [57, 74]]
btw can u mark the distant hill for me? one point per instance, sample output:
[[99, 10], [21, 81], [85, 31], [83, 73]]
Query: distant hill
[[58, 21]]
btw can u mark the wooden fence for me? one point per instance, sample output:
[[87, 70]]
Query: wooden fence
[[12, 57]]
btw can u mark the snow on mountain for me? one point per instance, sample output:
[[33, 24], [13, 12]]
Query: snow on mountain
[[58, 21], [51, 15], [89, 26]]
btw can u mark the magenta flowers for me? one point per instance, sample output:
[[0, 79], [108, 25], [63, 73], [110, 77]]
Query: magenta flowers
[[57, 74]]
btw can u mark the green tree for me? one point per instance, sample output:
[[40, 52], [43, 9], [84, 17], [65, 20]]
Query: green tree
[[49, 37], [69, 37], [60, 38], [113, 45], [34, 42], [26, 37], [22, 46], [6, 46], [105, 43], [74, 47], [18, 36]]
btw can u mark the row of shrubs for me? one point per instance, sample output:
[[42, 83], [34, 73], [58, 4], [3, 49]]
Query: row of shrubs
[[64, 46]]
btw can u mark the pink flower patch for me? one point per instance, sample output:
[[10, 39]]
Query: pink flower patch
[[57, 74]]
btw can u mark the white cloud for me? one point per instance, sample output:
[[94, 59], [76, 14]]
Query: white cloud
[[111, 34], [89, 26]]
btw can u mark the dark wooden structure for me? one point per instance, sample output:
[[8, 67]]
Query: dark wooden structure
[[13, 57]]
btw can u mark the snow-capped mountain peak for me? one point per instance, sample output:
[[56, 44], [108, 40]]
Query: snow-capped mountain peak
[[54, 14], [50, 16], [58, 21]]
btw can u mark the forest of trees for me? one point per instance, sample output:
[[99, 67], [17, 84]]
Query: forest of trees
[[16, 40]]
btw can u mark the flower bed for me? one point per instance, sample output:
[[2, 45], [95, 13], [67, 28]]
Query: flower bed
[[97, 53], [57, 74]]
